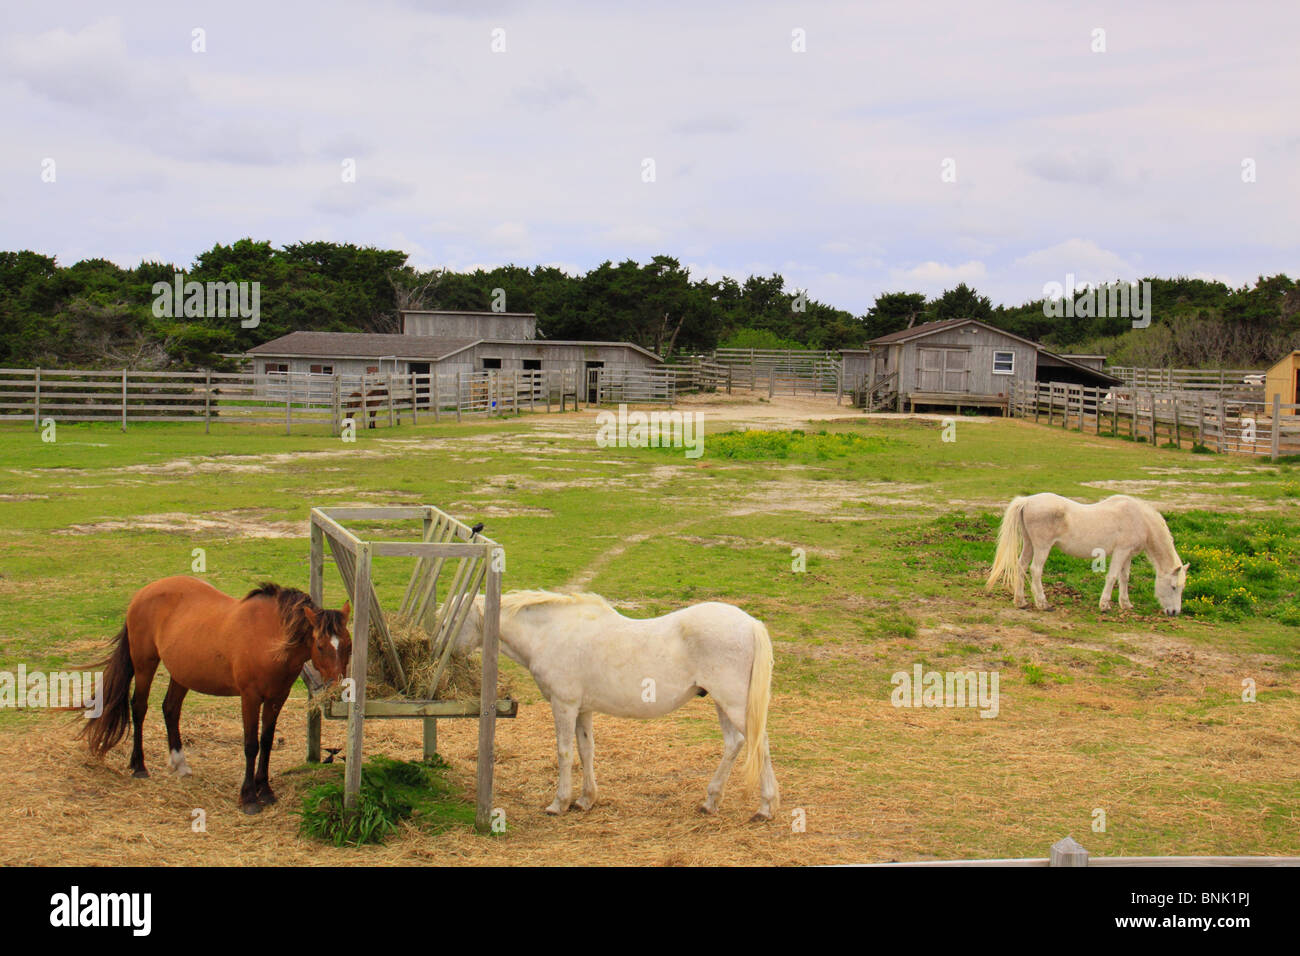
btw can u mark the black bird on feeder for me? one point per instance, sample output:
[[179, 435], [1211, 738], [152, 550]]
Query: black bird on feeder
[[476, 529]]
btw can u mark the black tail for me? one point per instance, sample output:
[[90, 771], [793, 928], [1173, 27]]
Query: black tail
[[103, 732]]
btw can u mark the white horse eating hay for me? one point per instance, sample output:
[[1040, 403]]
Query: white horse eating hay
[[1119, 526], [588, 658]]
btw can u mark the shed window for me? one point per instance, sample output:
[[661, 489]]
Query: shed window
[[532, 365], [277, 366], [1004, 363], [491, 363], [322, 369]]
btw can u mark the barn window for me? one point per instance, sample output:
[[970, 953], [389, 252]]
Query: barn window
[[277, 366], [322, 369], [491, 363], [1004, 363], [372, 369], [532, 365]]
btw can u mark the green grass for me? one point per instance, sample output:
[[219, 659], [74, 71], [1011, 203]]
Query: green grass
[[392, 791]]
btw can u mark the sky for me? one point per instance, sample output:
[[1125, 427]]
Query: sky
[[855, 148]]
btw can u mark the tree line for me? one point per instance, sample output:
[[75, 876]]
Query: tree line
[[96, 314]]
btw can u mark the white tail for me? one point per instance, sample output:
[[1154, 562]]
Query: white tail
[[760, 694], [1006, 560]]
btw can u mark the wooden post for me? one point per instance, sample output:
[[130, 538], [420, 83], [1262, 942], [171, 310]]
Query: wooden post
[[1133, 431], [1067, 852], [123, 399], [316, 590], [1178, 426], [728, 379], [488, 696], [1200, 419], [1221, 443], [1276, 446], [1153, 419], [360, 649], [415, 398], [207, 402], [338, 405], [36, 402], [388, 387], [458, 393], [288, 398], [437, 414]]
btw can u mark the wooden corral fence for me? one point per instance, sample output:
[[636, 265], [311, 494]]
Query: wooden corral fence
[[444, 544], [783, 371], [632, 384], [1186, 379], [1227, 420], [1068, 852], [697, 373], [281, 398]]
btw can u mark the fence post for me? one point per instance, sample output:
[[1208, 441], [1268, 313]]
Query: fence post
[[1200, 420], [1178, 426], [123, 399], [1154, 436], [415, 398], [388, 387], [1221, 442], [437, 414], [458, 387], [1276, 445], [337, 402], [36, 402], [207, 402], [1067, 852]]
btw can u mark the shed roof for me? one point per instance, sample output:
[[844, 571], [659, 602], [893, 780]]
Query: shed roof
[[389, 345]]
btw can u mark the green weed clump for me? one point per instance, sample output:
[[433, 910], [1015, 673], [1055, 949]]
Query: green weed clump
[[391, 791], [762, 445]]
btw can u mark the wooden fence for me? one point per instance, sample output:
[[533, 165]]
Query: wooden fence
[[1186, 379], [783, 371], [1235, 421], [281, 398]]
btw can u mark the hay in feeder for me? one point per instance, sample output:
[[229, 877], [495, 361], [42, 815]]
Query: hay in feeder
[[461, 679]]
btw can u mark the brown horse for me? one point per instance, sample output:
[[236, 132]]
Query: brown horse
[[215, 644]]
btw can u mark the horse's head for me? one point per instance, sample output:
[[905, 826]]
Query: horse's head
[[470, 636], [1169, 589], [331, 642]]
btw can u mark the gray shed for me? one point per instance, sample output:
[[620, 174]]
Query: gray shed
[[954, 363]]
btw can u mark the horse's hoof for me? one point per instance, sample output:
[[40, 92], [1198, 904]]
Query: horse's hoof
[[707, 810], [252, 808], [760, 817], [140, 774], [266, 798], [556, 809], [583, 804]]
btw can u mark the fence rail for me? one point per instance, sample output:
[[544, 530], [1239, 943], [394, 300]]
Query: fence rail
[[1187, 379], [1236, 420], [283, 398]]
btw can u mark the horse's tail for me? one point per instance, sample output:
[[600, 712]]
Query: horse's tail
[[756, 701], [1011, 535], [103, 732]]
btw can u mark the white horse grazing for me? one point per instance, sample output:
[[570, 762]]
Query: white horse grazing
[[586, 657], [1119, 526]]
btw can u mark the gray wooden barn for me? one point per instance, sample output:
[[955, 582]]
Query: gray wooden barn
[[443, 341], [955, 363]]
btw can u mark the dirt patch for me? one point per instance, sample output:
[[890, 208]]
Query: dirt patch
[[233, 524]]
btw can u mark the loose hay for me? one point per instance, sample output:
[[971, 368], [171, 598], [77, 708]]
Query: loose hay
[[460, 680]]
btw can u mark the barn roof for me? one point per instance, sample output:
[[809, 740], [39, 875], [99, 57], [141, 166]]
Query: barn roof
[[366, 345], [930, 328]]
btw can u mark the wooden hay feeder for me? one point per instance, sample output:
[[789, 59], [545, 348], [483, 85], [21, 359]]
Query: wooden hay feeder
[[445, 544]]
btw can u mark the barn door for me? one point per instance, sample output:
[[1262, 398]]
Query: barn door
[[954, 370], [931, 371]]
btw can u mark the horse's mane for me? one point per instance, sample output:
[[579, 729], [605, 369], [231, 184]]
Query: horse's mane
[[513, 601], [290, 603]]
